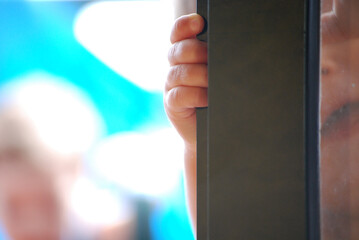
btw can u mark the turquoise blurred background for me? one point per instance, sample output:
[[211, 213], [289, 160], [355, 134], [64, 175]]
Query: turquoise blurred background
[[39, 36]]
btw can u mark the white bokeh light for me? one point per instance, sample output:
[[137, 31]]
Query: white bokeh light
[[98, 207], [147, 164], [63, 117], [131, 37]]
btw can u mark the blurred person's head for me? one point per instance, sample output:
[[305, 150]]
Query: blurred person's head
[[339, 139], [46, 127]]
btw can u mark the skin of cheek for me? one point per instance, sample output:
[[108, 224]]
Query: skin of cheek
[[340, 86], [340, 186], [29, 211], [340, 76], [334, 78], [327, 6], [340, 152]]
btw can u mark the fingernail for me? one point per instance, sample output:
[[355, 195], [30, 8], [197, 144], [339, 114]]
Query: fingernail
[[195, 23]]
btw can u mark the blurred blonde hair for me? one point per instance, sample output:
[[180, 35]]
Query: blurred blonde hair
[[45, 121]]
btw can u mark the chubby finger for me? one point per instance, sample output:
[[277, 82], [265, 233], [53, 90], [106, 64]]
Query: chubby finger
[[188, 51], [179, 99], [187, 26], [190, 75]]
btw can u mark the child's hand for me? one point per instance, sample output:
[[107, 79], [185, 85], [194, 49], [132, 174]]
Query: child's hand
[[186, 85]]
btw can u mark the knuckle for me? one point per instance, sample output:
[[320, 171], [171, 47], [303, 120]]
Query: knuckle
[[177, 52], [189, 71], [205, 73], [198, 49], [166, 101], [180, 50], [171, 76], [197, 97], [202, 98], [174, 98], [171, 53], [169, 99], [181, 23], [178, 24], [179, 73]]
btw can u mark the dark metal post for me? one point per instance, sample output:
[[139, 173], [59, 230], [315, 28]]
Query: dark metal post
[[256, 161]]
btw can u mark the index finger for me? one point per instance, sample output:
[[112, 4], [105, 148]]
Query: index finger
[[187, 26]]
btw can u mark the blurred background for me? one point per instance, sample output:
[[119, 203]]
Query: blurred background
[[86, 150]]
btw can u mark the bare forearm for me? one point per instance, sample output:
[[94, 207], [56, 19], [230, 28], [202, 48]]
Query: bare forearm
[[191, 182]]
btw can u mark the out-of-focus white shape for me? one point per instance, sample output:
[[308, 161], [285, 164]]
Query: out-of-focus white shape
[[98, 207], [147, 164], [63, 118], [131, 37], [55, 0]]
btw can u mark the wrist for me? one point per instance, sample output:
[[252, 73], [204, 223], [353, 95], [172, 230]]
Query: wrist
[[190, 148]]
